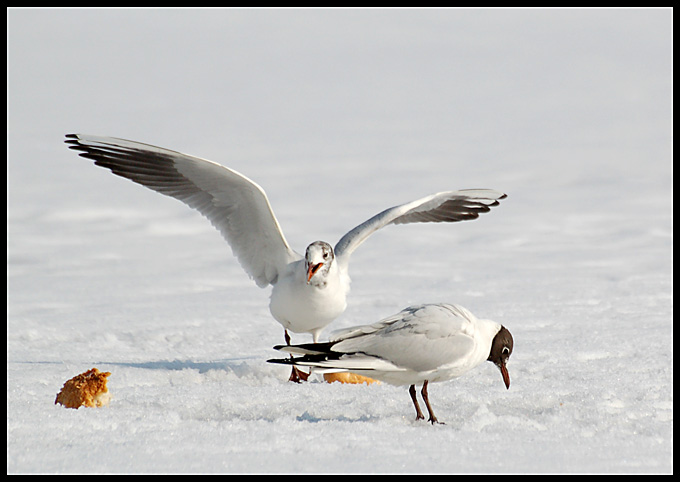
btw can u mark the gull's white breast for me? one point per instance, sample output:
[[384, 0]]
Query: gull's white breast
[[306, 308]]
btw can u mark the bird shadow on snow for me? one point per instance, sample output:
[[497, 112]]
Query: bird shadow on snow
[[308, 417], [237, 366]]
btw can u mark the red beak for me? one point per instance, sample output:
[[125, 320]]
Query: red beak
[[506, 375]]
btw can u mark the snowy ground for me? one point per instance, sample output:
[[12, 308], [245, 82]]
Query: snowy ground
[[338, 115]]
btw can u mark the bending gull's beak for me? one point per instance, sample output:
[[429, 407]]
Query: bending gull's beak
[[505, 374]]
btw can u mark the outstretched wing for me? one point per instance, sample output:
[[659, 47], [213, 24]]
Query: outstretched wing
[[234, 204], [443, 207]]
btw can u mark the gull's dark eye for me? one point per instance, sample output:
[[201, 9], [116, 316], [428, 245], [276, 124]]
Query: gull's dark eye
[[505, 350]]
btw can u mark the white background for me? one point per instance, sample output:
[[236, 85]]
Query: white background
[[340, 114]]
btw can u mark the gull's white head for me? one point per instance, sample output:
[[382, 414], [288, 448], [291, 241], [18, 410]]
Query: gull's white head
[[318, 260]]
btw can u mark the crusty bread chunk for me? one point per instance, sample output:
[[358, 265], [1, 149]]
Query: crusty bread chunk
[[344, 377], [87, 389]]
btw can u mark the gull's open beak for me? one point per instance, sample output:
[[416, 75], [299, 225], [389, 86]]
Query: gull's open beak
[[312, 269]]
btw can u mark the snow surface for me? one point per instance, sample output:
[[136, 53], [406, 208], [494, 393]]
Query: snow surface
[[339, 114]]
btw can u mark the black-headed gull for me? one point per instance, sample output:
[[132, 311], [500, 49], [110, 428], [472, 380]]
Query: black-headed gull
[[420, 344], [308, 291]]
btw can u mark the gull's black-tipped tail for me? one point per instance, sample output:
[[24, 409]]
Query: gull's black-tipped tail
[[311, 354], [307, 349], [282, 361]]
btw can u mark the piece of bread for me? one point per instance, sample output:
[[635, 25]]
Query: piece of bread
[[345, 377], [88, 389]]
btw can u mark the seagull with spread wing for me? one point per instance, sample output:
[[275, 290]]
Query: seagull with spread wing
[[308, 292]]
